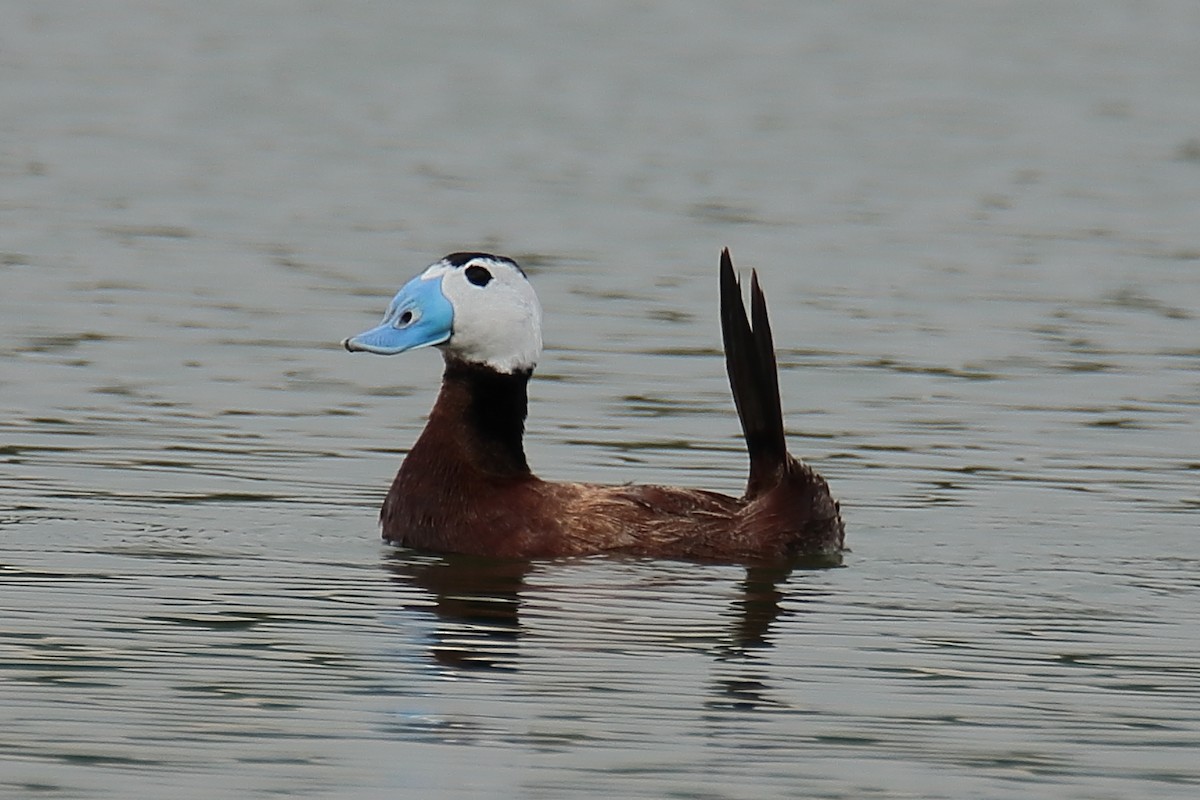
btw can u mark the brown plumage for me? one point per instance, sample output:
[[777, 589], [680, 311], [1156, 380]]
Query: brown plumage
[[465, 486]]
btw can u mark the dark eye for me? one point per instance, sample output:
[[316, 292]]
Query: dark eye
[[405, 318], [478, 275]]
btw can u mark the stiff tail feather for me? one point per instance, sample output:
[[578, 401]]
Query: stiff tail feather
[[753, 378]]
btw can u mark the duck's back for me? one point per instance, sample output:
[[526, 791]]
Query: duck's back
[[450, 510], [668, 521]]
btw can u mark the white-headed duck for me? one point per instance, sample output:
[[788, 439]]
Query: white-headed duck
[[465, 486]]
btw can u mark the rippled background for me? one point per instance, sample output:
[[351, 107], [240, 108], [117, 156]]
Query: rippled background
[[977, 228]]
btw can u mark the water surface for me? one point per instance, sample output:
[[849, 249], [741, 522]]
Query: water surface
[[976, 228]]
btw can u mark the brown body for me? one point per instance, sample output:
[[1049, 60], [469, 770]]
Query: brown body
[[465, 486]]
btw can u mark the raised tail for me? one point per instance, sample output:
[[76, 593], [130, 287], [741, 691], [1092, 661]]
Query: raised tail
[[753, 378]]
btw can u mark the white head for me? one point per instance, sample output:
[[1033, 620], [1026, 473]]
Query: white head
[[476, 307]]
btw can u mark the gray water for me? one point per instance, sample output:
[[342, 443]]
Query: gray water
[[977, 225]]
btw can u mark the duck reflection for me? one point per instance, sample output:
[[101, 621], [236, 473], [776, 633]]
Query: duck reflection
[[477, 603], [755, 608]]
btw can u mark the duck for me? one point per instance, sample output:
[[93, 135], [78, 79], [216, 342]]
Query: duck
[[465, 485]]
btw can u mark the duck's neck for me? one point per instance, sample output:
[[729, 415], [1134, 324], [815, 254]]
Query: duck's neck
[[478, 420]]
